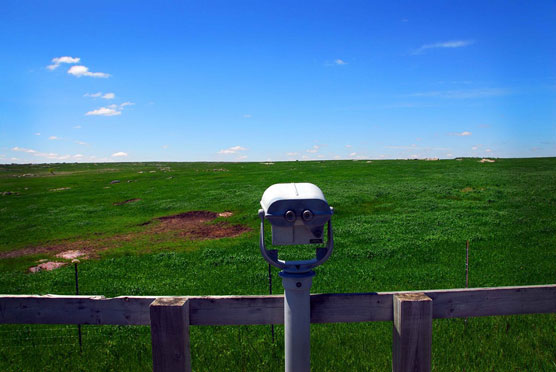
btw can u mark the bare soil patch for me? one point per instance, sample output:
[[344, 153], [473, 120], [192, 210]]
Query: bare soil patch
[[194, 225], [134, 200], [71, 254], [46, 266], [487, 160]]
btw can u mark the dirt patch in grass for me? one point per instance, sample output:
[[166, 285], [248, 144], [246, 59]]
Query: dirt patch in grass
[[71, 254], [194, 225], [46, 266], [134, 200]]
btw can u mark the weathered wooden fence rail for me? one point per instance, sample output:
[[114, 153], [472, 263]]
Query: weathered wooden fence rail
[[411, 313]]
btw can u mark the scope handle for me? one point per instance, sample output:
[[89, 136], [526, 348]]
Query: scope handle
[[302, 266]]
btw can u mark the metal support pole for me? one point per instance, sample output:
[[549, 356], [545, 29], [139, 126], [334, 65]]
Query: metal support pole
[[297, 320], [75, 262]]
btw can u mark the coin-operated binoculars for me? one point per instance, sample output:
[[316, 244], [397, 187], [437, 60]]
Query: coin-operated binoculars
[[298, 213]]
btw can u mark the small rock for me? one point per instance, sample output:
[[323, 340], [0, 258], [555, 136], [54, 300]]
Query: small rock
[[61, 189], [152, 171], [225, 214], [115, 181], [140, 172]]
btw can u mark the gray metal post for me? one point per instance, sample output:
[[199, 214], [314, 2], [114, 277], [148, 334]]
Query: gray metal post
[[297, 320]]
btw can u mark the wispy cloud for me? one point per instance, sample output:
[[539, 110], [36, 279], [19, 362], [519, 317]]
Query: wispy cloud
[[443, 44], [461, 134], [22, 149], [314, 149], [103, 111], [77, 127], [46, 155], [247, 116], [37, 134], [56, 62], [292, 153], [53, 138], [232, 150], [80, 70], [463, 93], [81, 143], [110, 110], [120, 154], [99, 94], [340, 62]]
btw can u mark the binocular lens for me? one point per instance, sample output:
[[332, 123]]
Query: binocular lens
[[307, 215], [290, 216]]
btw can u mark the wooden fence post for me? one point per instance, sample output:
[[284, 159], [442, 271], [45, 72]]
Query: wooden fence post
[[412, 333], [170, 334]]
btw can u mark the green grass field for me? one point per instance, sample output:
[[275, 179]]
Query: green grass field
[[399, 225]]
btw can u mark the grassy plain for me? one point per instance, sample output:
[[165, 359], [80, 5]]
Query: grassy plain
[[399, 225]]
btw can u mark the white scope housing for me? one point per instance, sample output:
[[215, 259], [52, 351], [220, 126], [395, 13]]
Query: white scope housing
[[297, 213]]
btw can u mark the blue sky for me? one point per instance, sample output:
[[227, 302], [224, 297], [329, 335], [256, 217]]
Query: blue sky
[[257, 80]]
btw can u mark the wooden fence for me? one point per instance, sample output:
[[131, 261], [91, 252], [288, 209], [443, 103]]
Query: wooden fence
[[170, 317]]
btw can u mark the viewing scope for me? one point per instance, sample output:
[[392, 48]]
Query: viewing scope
[[298, 213]]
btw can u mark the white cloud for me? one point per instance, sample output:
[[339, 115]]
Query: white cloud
[[103, 111], [77, 156], [488, 150], [77, 127], [340, 62], [247, 116], [47, 155], [37, 134], [99, 94], [314, 149], [164, 147], [81, 143], [232, 150], [56, 62], [53, 138], [110, 110], [475, 148], [84, 71], [353, 154], [461, 134], [444, 44], [22, 149], [348, 146], [119, 154], [242, 157], [292, 153]]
